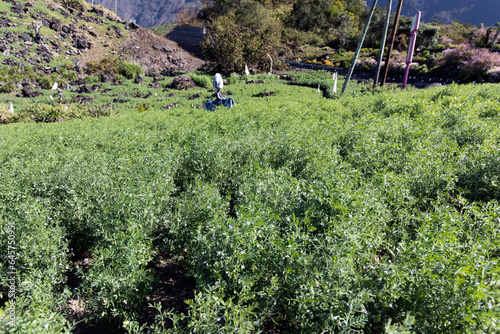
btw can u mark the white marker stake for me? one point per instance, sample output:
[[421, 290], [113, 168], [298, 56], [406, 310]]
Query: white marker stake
[[11, 108], [335, 83]]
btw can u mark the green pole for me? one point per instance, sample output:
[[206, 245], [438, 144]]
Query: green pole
[[360, 44], [382, 43]]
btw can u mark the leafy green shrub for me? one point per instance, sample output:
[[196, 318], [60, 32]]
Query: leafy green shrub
[[201, 80], [143, 107], [106, 65], [45, 82], [91, 79], [119, 77], [9, 87], [130, 70]]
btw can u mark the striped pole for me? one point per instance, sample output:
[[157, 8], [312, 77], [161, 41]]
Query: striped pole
[[411, 48]]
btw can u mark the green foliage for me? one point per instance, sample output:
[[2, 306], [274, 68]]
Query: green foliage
[[316, 15], [9, 87], [51, 112], [106, 65], [201, 80], [376, 212], [45, 82], [130, 70], [143, 107], [229, 45], [91, 79]]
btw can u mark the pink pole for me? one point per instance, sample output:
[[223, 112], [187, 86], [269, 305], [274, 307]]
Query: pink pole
[[411, 47]]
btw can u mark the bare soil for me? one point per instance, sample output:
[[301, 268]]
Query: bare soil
[[157, 53]]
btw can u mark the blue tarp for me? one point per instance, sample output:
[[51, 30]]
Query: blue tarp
[[228, 102]]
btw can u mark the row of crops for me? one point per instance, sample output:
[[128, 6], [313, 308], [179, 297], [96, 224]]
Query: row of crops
[[376, 213]]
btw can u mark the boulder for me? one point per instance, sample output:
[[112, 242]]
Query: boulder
[[17, 8], [107, 78], [81, 43], [5, 22], [84, 90], [98, 11], [68, 29], [154, 85], [25, 37], [82, 99], [182, 82], [10, 62], [27, 93]]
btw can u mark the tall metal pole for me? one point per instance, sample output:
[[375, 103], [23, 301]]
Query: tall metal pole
[[391, 45], [116, 7], [382, 43], [360, 44]]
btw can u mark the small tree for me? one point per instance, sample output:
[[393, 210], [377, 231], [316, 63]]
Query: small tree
[[229, 45]]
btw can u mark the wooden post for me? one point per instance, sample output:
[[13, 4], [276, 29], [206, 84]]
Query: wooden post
[[360, 44], [497, 36], [391, 45], [382, 43]]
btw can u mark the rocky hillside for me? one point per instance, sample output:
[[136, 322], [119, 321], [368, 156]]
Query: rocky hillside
[[447, 11], [147, 13], [44, 37]]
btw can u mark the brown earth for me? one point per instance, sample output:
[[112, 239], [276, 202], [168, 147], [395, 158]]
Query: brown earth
[[154, 53], [157, 53]]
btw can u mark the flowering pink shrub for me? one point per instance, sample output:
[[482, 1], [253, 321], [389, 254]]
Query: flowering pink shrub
[[445, 40], [482, 37], [369, 63], [472, 62], [494, 73]]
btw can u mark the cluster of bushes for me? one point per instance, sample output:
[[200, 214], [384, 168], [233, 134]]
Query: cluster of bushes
[[52, 112], [463, 62]]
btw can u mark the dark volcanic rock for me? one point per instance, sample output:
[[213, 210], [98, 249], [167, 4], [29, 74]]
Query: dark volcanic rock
[[5, 22], [98, 11], [107, 78], [114, 30], [68, 29], [82, 99], [81, 43], [182, 82], [25, 37], [83, 90], [17, 8], [27, 93], [154, 85], [52, 23], [10, 62]]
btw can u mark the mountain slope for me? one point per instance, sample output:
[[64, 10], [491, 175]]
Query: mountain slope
[[466, 11], [146, 13]]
